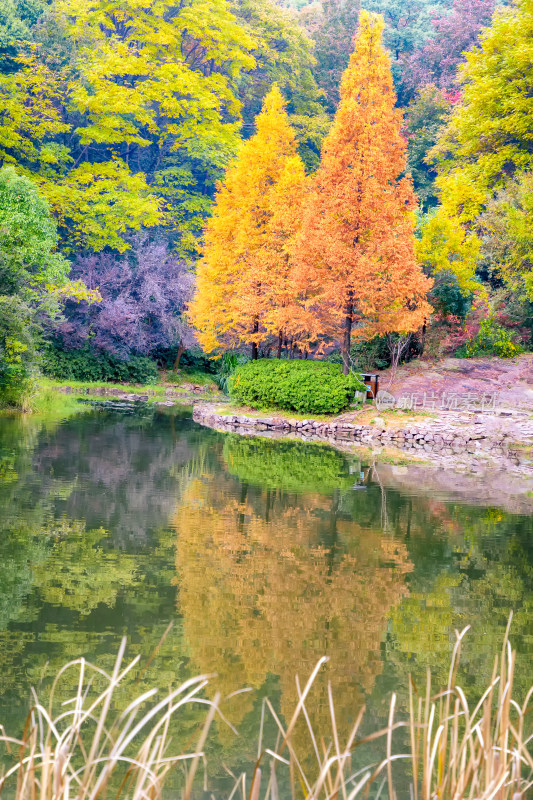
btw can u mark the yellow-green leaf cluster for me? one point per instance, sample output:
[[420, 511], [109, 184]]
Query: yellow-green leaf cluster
[[149, 69], [490, 133], [95, 118], [488, 140]]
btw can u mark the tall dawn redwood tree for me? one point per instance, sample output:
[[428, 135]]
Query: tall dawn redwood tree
[[355, 255], [237, 290]]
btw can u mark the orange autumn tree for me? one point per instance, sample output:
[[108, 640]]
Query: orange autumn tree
[[242, 278], [355, 253]]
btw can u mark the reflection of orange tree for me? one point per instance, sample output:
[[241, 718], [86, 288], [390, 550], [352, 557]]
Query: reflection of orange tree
[[272, 589]]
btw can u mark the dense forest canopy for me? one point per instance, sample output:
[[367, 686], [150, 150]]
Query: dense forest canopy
[[126, 116]]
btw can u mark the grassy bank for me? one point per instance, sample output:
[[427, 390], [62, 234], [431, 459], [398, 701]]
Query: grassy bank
[[365, 415], [82, 388], [97, 745], [60, 399], [168, 380], [46, 402]]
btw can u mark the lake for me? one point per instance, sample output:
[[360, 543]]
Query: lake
[[249, 559]]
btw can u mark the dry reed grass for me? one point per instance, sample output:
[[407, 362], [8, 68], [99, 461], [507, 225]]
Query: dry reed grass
[[91, 750], [456, 751]]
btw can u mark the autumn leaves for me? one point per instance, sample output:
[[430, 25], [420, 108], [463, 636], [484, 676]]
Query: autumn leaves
[[316, 259], [245, 280]]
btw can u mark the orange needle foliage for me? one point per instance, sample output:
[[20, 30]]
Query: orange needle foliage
[[355, 254], [241, 290]]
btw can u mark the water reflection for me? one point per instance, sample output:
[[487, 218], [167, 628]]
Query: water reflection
[[287, 579], [264, 556]]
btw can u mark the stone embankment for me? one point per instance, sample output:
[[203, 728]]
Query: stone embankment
[[442, 439]]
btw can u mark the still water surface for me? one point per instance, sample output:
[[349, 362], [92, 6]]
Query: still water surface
[[265, 556]]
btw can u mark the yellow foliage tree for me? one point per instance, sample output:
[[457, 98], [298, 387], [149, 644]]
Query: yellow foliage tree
[[243, 284], [445, 245]]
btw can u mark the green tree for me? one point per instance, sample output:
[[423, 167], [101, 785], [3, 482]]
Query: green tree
[[126, 116], [17, 18], [28, 239], [425, 117], [507, 234], [334, 43], [284, 55], [487, 140], [488, 137], [33, 278]]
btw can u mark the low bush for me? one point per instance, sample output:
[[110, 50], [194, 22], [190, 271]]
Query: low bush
[[491, 340], [89, 365], [308, 387]]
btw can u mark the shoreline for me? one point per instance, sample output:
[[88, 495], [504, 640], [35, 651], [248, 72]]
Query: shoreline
[[474, 443]]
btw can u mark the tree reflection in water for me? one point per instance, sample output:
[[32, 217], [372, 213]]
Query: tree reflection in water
[[264, 555], [270, 581]]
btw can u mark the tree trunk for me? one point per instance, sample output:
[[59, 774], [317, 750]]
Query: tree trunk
[[181, 350], [255, 349], [347, 336], [280, 342], [423, 342], [397, 349]]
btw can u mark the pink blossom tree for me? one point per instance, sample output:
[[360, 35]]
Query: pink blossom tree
[[453, 33]]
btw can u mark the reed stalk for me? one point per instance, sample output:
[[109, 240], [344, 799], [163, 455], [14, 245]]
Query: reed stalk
[[455, 750]]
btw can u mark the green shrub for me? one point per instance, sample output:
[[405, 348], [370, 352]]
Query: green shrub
[[89, 365], [447, 297], [291, 466], [308, 387], [492, 340]]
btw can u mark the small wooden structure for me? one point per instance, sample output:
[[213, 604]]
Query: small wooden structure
[[371, 381]]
